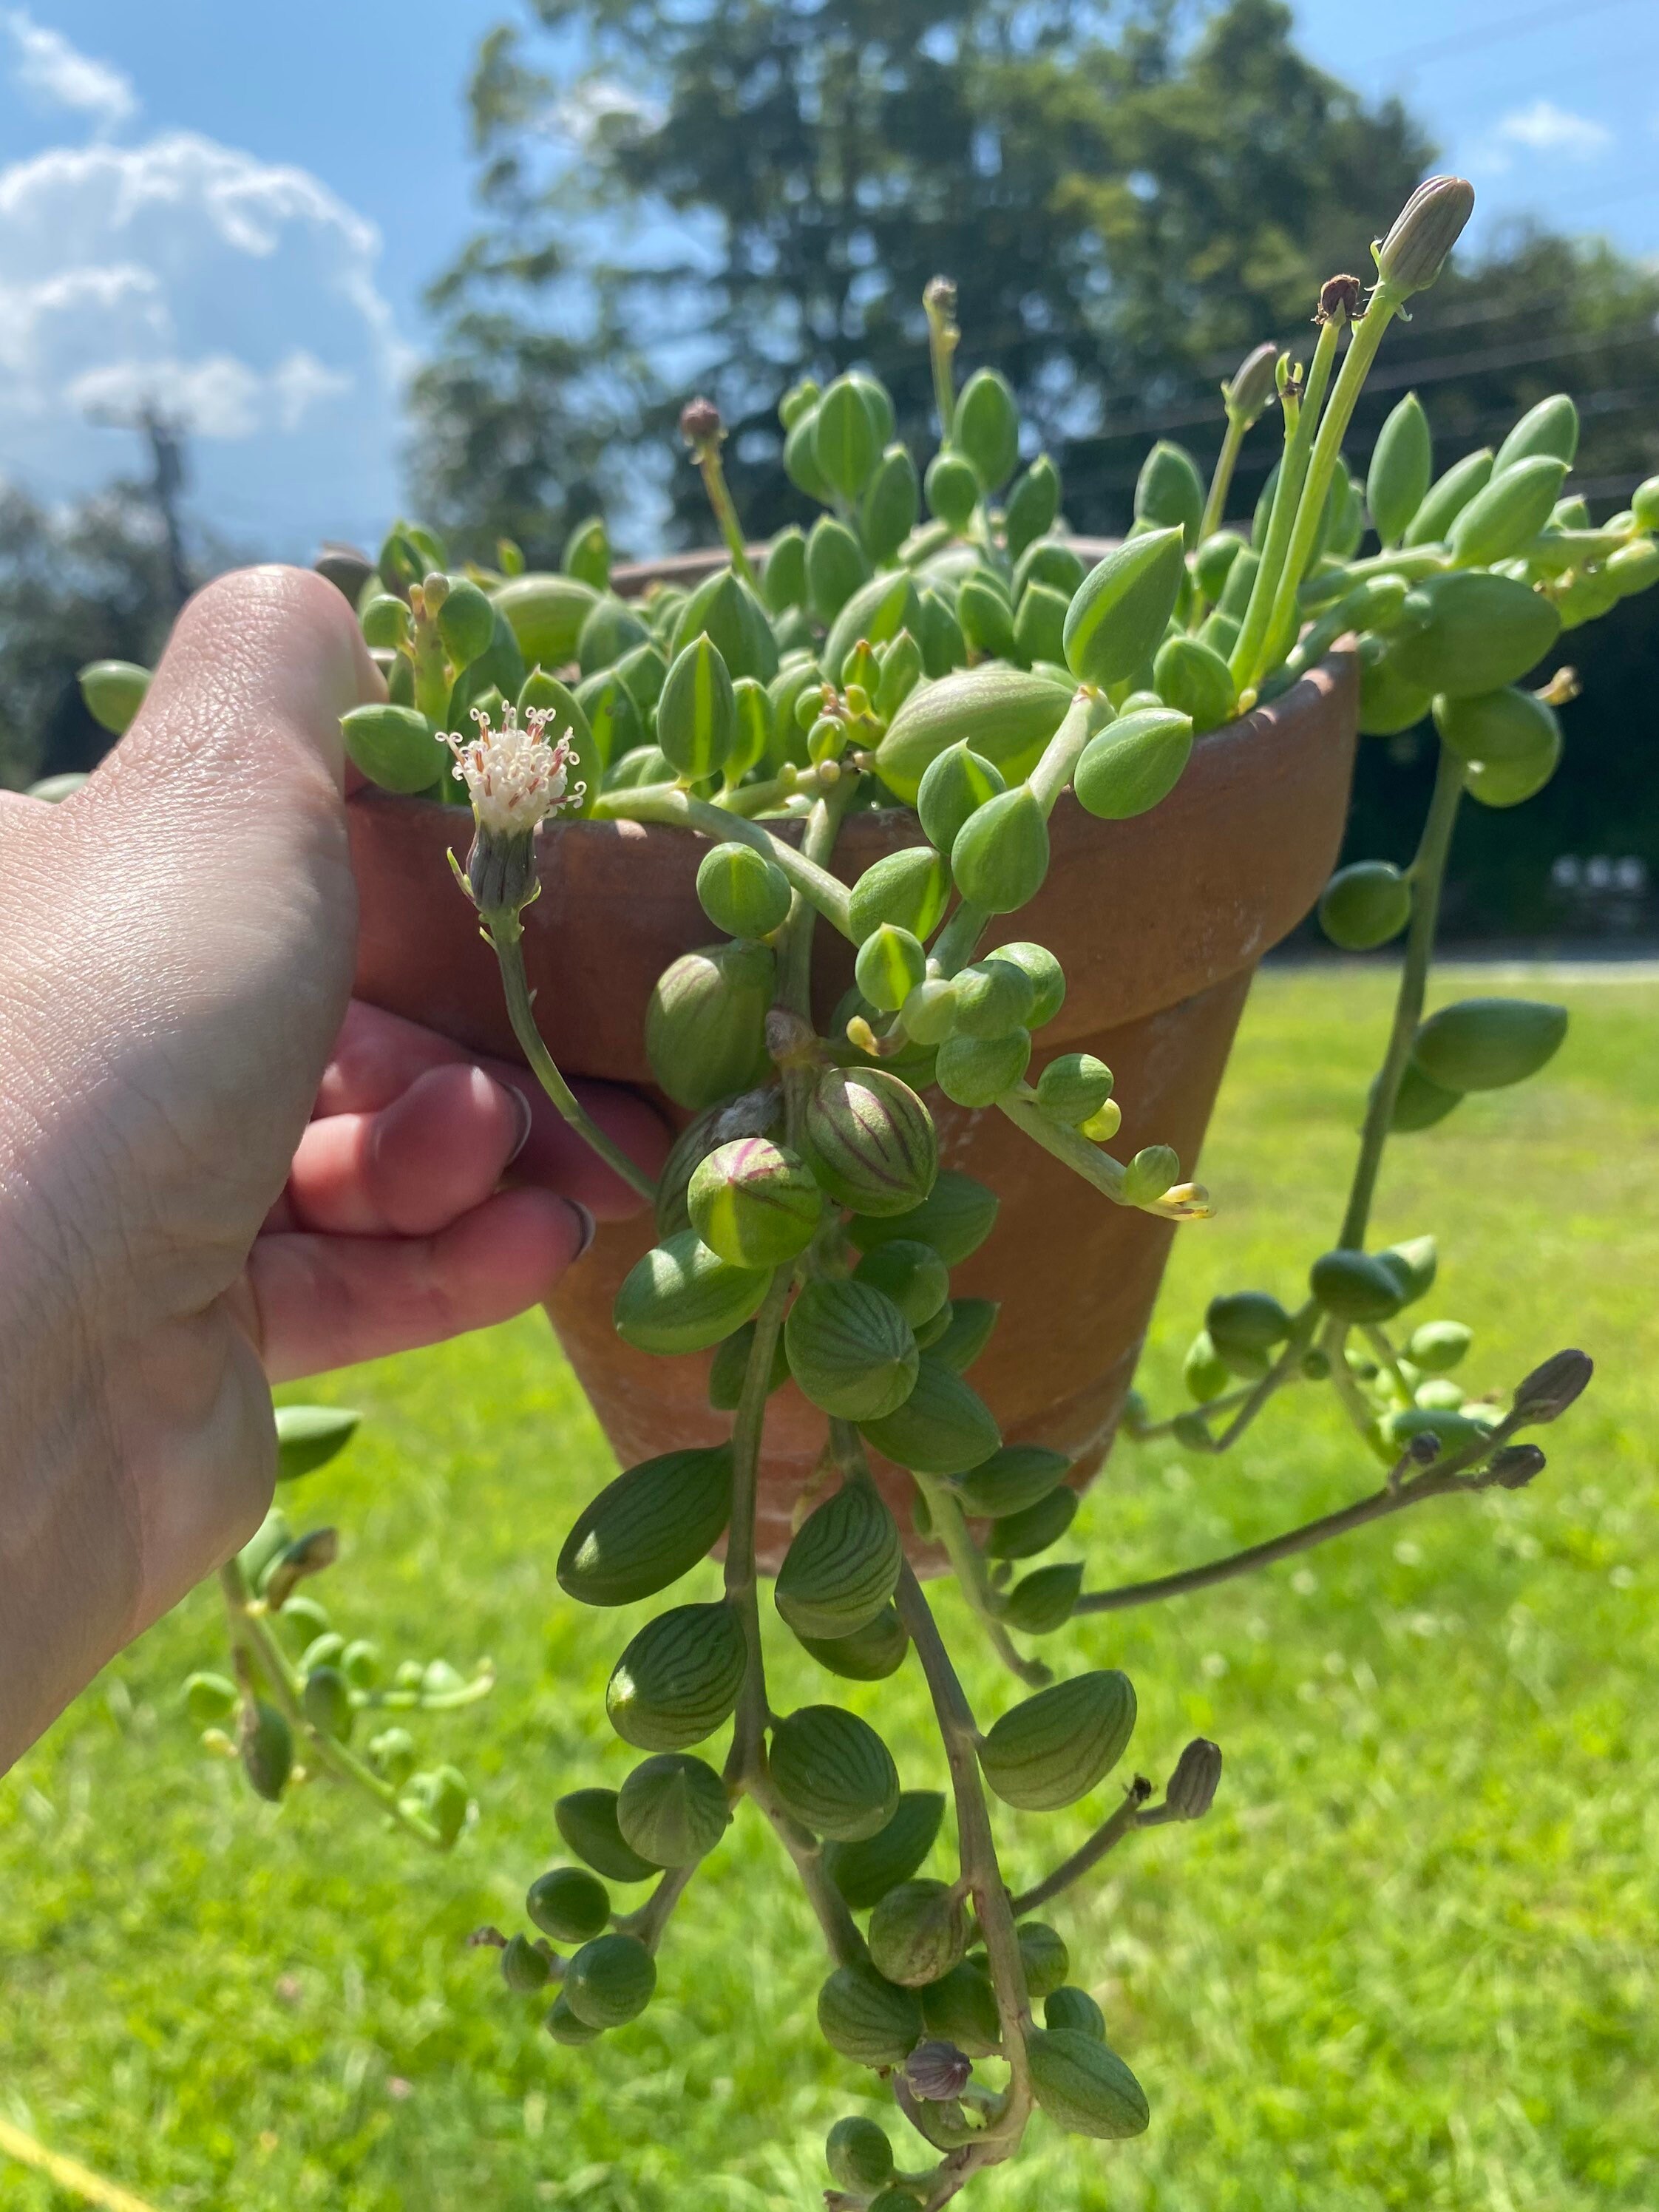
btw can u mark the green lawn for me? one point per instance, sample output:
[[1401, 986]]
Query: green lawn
[[1410, 1960]]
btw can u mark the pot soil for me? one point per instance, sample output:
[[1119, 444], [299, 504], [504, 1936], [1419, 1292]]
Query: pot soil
[[1159, 924]]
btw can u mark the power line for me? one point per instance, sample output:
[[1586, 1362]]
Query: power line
[[1458, 42]]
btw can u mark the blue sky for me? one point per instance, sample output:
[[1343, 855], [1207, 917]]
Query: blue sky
[[236, 208]]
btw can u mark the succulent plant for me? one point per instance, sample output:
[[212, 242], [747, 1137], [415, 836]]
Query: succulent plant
[[974, 666]]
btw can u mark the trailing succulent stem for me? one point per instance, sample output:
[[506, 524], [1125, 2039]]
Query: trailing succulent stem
[[936, 644]]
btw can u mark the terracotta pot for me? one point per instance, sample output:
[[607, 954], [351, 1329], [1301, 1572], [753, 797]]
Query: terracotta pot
[[1159, 924]]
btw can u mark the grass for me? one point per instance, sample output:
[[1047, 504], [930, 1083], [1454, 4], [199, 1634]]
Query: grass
[[1409, 1961]]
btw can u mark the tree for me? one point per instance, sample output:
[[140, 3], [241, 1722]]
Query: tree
[[94, 583], [1121, 208]]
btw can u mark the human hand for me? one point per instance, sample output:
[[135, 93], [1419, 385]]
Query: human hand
[[213, 1173]]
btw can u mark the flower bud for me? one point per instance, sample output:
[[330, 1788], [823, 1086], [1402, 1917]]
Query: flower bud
[[833, 1772], [1053, 1748], [1170, 492], [1134, 763], [1190, 1790], [1548, 1392], [1117, 617], [1365, 905], [673, 1809], [867, 2018], [936, 2073], [1252, 384], [678, 1679], [705, 1024], [1423, 234], [700, 422], [568, 1904], [1485, 1044], [586, 1819]]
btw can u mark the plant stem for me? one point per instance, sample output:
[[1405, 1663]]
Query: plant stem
[[1301, 419], [1366, 336], [712, 471], [505, 931], [253, 1636], [654, 1915], [1428, 873], [1393, 1498], [1088, 1159], [665, 803], [967, 1565], [942, 339], [1221, 481], [1060, 756], [1283, 1371], [955, 943], [1412, 563], [1106, 1838], [977, 1845]]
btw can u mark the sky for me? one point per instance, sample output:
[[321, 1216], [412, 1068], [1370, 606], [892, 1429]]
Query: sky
[[234, 210]]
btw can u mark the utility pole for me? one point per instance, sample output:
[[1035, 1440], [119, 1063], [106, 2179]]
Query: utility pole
[[165, 435]]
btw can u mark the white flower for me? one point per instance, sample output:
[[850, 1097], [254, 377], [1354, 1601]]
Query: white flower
[[514, 777]]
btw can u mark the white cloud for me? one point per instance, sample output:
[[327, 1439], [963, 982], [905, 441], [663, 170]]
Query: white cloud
[[1544, 129], [236, 294], [58, 75]]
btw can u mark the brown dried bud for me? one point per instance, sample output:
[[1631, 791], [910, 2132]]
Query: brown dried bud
[[936, 2071], [1546, 1393], [1512, 1466], [486, 1939], [1339, 299], [1253, 383], [939, 297], [1424, 1448], [1190, 1790], [700, 422], [790, 1041], [1424, 232]]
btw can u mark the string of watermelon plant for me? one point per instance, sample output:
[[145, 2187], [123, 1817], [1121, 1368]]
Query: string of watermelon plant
[[971, 668]]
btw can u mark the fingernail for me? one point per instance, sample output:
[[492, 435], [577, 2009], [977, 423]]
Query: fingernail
[[589, 1227], [521, 1106]]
